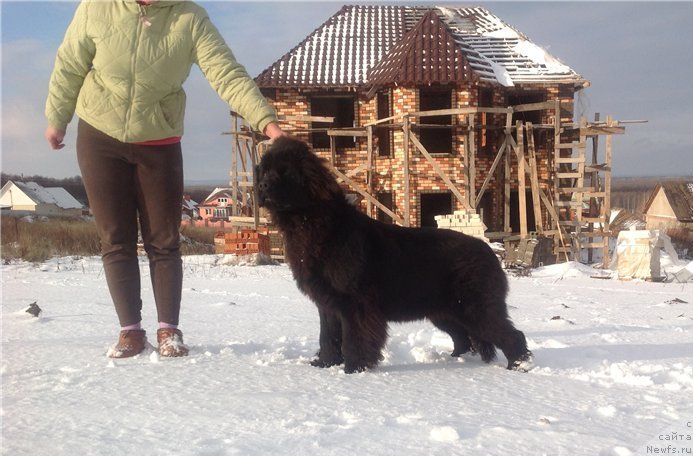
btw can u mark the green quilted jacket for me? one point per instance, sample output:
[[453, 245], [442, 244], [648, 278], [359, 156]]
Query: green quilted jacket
[[121, 68]]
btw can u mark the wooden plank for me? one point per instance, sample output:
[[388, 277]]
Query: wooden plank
[[305, 118], [333, 151], [405, 165], [595, 234], [534, 179], [597, 168], [521, 176], [567, 204], [564, 190], [506, 189], [573, 175], [606, 207], [489, 175], [353, 172], [572, 160], [460, 111], [439, 171], [601, 219], [366, 195], [347, 132], [572, 145], [382, 121], [470, 197], [594, 130], [593, 245], [533, 106], [369, 164]]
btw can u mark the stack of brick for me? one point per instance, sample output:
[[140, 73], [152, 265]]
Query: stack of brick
[[467, 222], [245, 242]]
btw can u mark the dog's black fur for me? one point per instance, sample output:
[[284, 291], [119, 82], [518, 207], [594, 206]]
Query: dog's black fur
[[362, 274]]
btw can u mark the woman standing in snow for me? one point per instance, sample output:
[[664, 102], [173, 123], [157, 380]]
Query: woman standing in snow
[[121, 68]]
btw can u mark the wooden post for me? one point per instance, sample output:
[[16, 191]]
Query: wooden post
[[534, 179], [369, 171], [256, 192], [471, 196], [465, 162], [451, 185], [234, 163], [595, 207], [405, 167], [333, 151], [606, 207], [521, 185], [507, 176]]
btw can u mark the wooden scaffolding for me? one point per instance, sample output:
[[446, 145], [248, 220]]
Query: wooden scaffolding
[[572, 206]]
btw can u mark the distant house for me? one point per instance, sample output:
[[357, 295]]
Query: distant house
[[32, 198], [218, 205], [670, 206], [190, 208]]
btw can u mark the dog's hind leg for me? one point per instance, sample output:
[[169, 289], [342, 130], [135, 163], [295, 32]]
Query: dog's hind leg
[[500, 331], [330, 353], [460, 337]]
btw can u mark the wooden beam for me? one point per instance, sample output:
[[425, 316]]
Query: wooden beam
[[405, 167], [489, 175], [382, 121], [470, 197], [521, 190], [606, 207], [507, 171], [593, 130], [366, 195], [369, 175], [347, 132], [460, 111], [533, 106], [534, 179], [302, 118], [440, 172]]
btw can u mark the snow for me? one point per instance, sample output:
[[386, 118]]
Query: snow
[[613, 372]]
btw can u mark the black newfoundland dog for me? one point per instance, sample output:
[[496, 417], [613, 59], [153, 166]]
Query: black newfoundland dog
[[362, 274]]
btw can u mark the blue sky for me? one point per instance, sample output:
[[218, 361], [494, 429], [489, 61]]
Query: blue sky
[[637, 56]]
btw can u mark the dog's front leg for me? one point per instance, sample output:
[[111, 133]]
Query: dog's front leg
[[364, 335], [330, 353]]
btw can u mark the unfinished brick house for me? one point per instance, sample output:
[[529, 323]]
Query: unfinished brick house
[[422, 111]]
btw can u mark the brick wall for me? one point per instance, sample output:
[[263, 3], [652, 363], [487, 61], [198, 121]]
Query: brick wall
[[388, 171]]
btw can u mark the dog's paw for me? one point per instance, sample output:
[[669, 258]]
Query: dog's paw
[[354, 369], [523, 364], [322, 363]]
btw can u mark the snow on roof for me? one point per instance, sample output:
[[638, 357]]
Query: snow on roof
[[51, 195], [343, 50]]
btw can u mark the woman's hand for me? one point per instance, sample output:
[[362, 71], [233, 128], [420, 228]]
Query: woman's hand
[[55, 137], [274, 131]]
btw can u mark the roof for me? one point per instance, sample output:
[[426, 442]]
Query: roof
[[419, 59], [364, 45], [51, 195], [680, 197], [219, 192]]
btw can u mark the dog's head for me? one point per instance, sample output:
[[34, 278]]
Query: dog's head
[[292, 178]]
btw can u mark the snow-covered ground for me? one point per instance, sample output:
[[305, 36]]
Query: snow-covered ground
[[613, 372]]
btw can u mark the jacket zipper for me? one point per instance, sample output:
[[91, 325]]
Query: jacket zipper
[[140, 23]]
